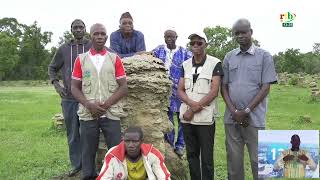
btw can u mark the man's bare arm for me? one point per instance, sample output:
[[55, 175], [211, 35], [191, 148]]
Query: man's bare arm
[[260, 96], [226, 97]]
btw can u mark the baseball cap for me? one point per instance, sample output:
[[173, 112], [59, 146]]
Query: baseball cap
[[200, 34]]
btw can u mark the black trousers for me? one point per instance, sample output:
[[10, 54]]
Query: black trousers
[[90, 140], [199, 140]]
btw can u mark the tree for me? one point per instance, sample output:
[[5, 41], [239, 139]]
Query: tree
[[316, 48], [11, 26], [67, 36], [8, 54], [221, 41], [311, 62], [34, 57], [289, 61]]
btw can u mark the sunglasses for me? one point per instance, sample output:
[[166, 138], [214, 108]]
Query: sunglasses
[[199, 43]]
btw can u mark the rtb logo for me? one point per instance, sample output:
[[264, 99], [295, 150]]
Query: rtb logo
[[287, 19]]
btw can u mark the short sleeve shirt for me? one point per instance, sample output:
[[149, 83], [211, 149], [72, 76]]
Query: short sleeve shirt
[[98, 56], [244, 73]]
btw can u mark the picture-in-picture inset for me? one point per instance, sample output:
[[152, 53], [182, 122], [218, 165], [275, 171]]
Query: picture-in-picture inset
[[288, 153]]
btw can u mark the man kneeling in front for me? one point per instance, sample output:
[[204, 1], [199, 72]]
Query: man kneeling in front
[[134, 160]]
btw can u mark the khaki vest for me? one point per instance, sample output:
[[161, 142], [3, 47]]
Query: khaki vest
[[98, 87], [199, 90]]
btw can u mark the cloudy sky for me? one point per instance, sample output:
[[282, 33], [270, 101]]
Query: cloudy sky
[[186, 16]]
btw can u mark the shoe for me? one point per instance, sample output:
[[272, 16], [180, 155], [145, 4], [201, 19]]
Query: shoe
[[179, 152], [73, 172]]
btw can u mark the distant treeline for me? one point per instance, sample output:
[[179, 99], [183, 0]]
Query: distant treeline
[[24, 56]]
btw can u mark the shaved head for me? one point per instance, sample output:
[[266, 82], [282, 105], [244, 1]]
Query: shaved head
[[242, 22], [99, 36], [242, 32], [96, 26]]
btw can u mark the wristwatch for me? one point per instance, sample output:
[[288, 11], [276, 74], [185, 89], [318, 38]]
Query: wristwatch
[[247, 110]]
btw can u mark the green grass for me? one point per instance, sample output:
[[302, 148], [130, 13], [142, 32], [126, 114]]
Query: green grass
[[32, 149]]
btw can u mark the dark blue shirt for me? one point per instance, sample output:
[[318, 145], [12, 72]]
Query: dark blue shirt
[[127, 47]]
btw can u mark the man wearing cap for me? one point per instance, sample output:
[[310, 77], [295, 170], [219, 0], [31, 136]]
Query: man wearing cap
[[198, 89], [248, 73], [173, 56], [98, 83], [63, 61], [126, 41]]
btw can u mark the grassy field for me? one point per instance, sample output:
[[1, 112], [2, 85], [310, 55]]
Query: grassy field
[[32, 149]]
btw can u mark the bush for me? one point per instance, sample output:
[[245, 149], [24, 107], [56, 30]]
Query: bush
[[293, 80]]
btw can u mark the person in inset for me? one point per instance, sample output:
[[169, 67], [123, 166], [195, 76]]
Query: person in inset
[[127, 41], [134, 160], [63, 61], [294, 160], [248, 73], [98, 83], [173, 56], [198, 89]]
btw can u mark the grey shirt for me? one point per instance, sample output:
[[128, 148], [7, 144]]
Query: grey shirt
[[244, 73]]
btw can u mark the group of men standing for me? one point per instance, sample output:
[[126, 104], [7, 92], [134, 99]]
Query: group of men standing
[[94, 81]]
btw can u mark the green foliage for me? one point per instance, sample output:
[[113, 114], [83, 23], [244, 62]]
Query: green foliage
[[34, 57], [11, 26], [293, 80], [293, 61], [67, 36], [316, 48], [9, 57], [22, 50], [221, 41]]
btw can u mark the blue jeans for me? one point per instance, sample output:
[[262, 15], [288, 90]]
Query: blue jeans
[[170, 136], [71, 119]]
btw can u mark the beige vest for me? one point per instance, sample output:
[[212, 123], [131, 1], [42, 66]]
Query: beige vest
[[199, 90], [98, 87]]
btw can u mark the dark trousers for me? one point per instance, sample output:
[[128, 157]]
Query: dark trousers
[[179, 144], [199, 141], [71, 119], [90, 140]]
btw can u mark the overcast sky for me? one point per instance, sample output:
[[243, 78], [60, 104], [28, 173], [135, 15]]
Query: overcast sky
[[153, 17]]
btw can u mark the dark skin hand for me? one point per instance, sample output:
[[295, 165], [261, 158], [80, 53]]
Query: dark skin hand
[[242, 33], [94, 107], [188, 115], [241, 115], [303, 157], [59, 89], [97, 109], [291, 157], [288, 158], [196, 107]]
